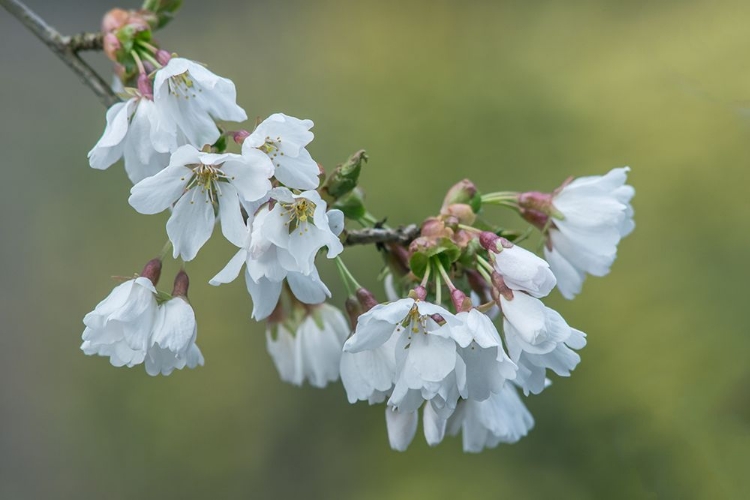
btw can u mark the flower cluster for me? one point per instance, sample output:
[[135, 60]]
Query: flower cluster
[[135, 325], [464, 336]]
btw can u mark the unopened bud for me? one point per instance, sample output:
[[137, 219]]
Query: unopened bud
[[344, 177], [152, 270], [460, 301], [418, 293], [240, 136], [464, 192], [114, 20], [181, 284], [461, 212], [111, 46], [398, 259], [353, 310], [489, 241], [163, 57], [366, 299], [144, 86]]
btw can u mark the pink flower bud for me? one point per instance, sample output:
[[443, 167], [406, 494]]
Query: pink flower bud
[[114, 20], [152, 270], [353, 310], [460, 301], [240, 136], [111, 46], [145, 87], [418, 293], [181, 284], [366, 299], [163, 57]]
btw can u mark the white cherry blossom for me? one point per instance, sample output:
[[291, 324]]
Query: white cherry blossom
[[173, 339], [135, 131], [202, 186], [313, 351], [191, 97], [283, 138], [269, 263], [120, 326], [594, 214], [425, 355], [538, 338], [520, 269]]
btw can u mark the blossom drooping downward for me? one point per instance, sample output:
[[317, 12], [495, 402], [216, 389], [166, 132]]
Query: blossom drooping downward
[[584, 220]]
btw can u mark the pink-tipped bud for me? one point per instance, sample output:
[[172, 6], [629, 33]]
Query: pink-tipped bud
[[240, 136], [111, 46], [145, 87], [461, 192], [366, 299], [353, 310], [163, 57], [398, 259], [437, 318], [489, 241], [181, 284], [418, 293], [152, 270], [460, 301], [535, 199], [114, 20]]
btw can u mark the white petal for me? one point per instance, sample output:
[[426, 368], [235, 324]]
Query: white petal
[[232, 226], [157, 193], [231, 270], [401, 428], [191, 224], [434, 425], [308, 288], [265, 295]]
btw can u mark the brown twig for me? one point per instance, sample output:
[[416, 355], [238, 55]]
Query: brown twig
[[403, 235], [66, 48]]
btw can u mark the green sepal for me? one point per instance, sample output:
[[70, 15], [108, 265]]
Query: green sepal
[[445, 251], [165, 10], [344, 177]]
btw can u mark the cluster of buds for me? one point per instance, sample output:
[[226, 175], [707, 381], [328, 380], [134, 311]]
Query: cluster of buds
[[463, 336]]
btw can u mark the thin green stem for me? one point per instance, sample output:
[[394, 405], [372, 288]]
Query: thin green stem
[[483, 262], [426, 277], [347, 277], [165, 249], [445, 276], [138, 62], [438, 290], [484, 274], [150, 59], [471, 229]]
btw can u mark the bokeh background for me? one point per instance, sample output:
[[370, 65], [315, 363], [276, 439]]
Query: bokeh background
[[515, 96]]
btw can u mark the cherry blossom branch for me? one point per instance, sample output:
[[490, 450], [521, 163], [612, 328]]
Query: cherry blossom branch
[[403, 235], [66, 48]]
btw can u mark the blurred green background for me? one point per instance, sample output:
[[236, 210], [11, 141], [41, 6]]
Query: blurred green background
[[515, 96]]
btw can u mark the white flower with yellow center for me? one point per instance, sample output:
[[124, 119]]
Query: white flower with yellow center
[[202, 186], [303, 221], [283, 138], [191, 97]]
